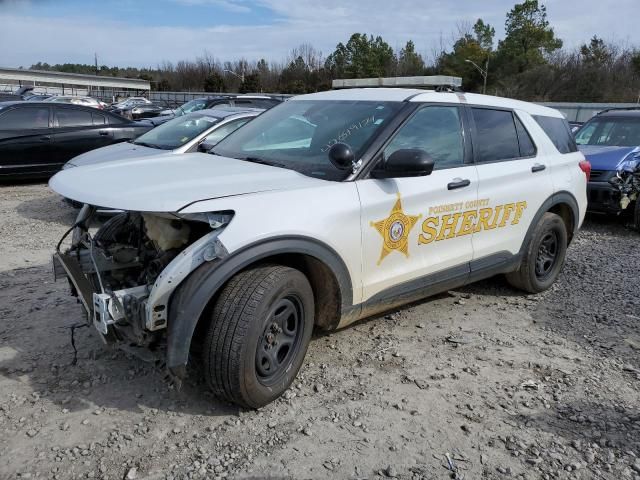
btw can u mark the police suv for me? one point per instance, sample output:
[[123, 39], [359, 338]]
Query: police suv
[[326, 209]]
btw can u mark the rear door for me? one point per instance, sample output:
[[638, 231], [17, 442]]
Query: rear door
[[78, 130], [25, 140], [514, 181]]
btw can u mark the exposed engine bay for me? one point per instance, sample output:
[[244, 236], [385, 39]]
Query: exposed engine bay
[[121, 274]]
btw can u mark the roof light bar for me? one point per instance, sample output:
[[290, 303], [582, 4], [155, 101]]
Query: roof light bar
[[404, 82]]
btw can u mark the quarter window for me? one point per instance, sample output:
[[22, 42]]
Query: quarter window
[[29, 118], [437, 131], [99, 119], [496, 137], [224, 130], [71, 117], [527, 148], [557, 129]]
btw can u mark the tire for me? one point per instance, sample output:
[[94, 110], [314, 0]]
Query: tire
[[109, 229], [636, 215], [544, 256], [251, 355]]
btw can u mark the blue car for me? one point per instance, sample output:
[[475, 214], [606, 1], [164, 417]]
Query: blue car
[[607, 140]]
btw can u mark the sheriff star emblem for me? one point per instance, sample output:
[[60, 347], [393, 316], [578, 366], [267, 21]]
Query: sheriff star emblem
[[395, 230]]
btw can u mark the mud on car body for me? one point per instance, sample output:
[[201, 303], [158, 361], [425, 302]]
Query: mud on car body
[[326, 209]]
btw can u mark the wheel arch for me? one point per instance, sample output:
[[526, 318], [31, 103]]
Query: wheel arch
[[325, 270], [561, 203]]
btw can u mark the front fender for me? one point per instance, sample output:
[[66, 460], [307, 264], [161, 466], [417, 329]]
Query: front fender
[[194, 294]]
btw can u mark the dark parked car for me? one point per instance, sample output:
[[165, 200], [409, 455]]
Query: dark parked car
[[607, 140], [37, 138], [246, 101]]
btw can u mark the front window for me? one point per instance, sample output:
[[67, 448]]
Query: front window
[[610, 132], [437, 131], [175, 133], [298, 134]]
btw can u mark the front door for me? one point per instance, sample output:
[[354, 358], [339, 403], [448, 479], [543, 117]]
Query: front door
[[25, 141], [414, 229]]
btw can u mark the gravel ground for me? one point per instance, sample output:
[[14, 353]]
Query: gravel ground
[[481, 382]]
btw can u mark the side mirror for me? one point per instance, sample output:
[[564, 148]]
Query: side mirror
[[341, 156], [408, 162], [204, 146]]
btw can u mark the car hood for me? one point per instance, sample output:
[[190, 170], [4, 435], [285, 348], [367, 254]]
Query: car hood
[[168, 183], [606, 158], [117, 151]]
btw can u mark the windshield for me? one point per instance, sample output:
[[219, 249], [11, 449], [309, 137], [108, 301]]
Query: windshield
[[298, 134], [611, 132], [192, 106], [175, 133]]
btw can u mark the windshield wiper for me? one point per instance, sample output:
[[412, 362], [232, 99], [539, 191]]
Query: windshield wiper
[[152, 145], [262, 161]]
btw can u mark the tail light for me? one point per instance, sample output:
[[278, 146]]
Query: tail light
[[585, 166]]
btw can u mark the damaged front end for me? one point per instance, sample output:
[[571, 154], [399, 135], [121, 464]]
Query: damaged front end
[[125, 272]]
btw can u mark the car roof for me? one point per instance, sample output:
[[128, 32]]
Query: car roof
[[237, 97], [620, 113], [431, 96], [226, 112]]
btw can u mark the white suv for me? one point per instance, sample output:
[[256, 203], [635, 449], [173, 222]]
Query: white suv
[[326, 209]]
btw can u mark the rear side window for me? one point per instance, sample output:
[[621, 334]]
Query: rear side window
[[72, 117], [496, 137], [25, 118], [558, 131]]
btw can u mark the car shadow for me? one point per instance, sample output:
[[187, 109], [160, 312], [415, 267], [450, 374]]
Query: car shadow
[[50, 208], [39, 319]]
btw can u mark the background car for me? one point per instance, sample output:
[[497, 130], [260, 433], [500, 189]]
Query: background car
[[607, 140], [37, 138], [251, 101], [147, 110], [20, 94], [121, 107], [76, 100], [39, 97], [192, 132]]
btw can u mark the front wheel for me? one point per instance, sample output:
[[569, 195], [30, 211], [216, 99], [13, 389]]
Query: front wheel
[[260, 328], [543, 257]]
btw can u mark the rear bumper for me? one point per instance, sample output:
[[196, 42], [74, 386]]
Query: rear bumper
[[603, 198]]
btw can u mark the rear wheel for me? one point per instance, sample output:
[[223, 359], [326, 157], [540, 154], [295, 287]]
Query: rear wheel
[[260, 328], [636, 215], [543, 257]]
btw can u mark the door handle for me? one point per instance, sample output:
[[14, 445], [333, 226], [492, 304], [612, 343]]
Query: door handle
[[538, 167], [103, 132], [458, 183], [45, 138]]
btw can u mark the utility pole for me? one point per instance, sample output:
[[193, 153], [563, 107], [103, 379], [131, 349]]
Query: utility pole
[[241, 76], [483, 71], [95, 57]]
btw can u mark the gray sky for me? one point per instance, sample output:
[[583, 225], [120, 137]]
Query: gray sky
[[146, 32]]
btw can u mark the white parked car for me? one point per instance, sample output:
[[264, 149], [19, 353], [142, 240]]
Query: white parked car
[[198, 131], [75, 100], [323, 210]]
